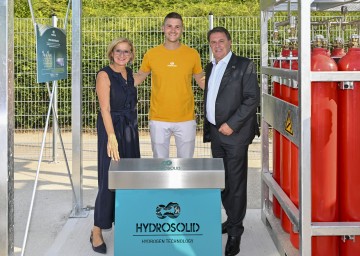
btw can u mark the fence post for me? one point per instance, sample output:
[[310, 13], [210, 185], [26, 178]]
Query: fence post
[[55, 101], [76, 109], [7, 128], [211, 26]]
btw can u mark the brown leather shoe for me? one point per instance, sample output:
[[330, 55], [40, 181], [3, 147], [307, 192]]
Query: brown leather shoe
[[232, 247]]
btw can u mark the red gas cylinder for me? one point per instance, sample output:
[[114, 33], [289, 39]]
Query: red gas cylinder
[[338, 49], [285, 149], [276, 143], [294, 185], [324, 152], [349, 146]]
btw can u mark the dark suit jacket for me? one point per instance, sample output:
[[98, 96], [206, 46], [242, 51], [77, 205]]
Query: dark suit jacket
[[236, 102]]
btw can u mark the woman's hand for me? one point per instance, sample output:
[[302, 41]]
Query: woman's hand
[[112, 147]]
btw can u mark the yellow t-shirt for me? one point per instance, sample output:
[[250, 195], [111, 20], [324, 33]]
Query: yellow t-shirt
[[172, 98]]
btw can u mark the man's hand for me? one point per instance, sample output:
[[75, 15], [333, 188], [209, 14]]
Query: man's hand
[[200, 79], [112, 147], [225, 129], [139, 77]]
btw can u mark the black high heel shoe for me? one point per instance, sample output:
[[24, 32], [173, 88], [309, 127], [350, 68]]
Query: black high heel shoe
[[100, 249]]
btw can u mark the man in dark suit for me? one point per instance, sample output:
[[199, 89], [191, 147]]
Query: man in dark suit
[[231, 98]]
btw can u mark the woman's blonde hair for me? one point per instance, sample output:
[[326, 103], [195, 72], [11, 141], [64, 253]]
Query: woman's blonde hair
[[117, 41]]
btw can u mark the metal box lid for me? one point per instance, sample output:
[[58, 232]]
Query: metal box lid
[[171, 173]]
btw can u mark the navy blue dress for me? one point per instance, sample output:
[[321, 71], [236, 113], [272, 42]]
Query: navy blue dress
[[123, 100]]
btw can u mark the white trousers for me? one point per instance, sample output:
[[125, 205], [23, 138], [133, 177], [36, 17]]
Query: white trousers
[[184, 133]]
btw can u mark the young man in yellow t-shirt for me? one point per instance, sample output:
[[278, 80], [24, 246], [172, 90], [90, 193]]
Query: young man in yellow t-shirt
[[172, 66]]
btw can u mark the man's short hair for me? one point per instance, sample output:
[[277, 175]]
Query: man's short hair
[[217, 30], [173, 15]]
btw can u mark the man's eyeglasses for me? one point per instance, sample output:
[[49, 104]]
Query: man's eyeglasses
[[119, 52]]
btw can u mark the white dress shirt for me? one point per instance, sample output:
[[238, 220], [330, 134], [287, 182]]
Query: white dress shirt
[[215, 78]]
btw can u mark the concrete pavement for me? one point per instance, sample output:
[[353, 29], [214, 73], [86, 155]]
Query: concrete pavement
[[51, 226]]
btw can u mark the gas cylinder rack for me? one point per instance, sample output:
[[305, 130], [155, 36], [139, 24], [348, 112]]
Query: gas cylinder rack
[[293, 122]]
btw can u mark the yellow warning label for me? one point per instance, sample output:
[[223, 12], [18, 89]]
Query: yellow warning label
[[288, 124]]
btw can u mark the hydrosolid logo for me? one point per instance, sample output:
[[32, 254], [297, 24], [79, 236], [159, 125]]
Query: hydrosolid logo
[[171, 210], [172, 65], [167, 165]]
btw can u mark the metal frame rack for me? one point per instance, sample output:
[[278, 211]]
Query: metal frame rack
[[274, 112]]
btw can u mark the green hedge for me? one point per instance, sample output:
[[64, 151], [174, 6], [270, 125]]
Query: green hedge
[[31, 99]]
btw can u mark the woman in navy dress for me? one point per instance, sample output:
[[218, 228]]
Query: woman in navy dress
[[117, 130]]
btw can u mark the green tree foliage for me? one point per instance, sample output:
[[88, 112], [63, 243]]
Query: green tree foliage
[[123, 8]]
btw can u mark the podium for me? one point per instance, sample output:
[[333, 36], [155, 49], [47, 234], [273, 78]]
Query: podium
[[167, 206]]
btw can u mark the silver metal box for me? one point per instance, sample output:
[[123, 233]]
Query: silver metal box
[[172, 173]]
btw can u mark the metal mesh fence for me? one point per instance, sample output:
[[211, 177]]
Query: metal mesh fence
[[32, 99]]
